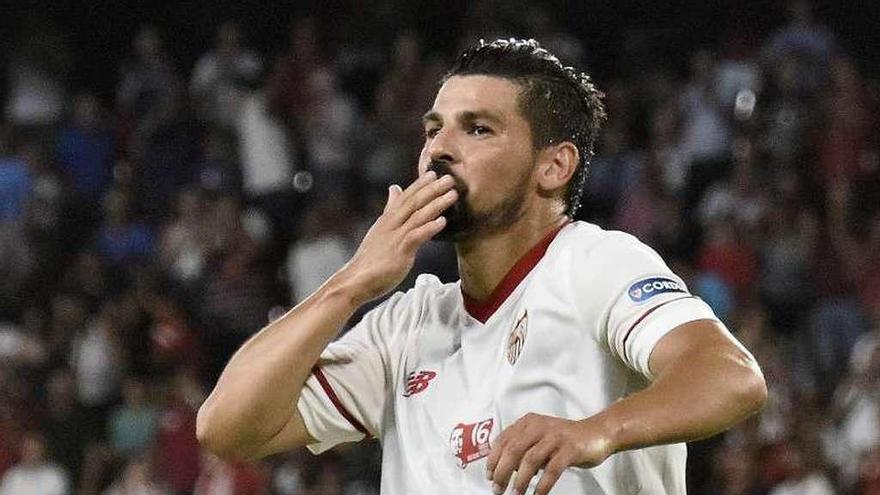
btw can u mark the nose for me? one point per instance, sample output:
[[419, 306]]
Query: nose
[[442, 147]]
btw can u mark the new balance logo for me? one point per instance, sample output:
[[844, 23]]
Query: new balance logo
[[418, 381]]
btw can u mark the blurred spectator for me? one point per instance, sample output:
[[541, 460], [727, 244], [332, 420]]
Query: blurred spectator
[[287, 92], [182, 243], [132, 426], [68, 316], [173, 342], [146, 90], [17, 264], [39, 64], [729, 255], [704, 131], [70, 427], [614, 171], [34, 473], [847, 145], [834, 326], [646, 209], [179, 455], [735, 470], [322, 249], [97, 359], [219, 477], [330, 123], [121, 239], [86, 276], [803, 46], [544, 26], [857, 250], [268, 164], [171, 155], [21, 346], [738, 196], [84, 149], [857, 404], [223, 76], [869, 474], [16, 183], [394, 132], [10, 438], [804, 475], [323, 476], [137, 479], [218, 165], [235, 300], [51, 224], [786, 256]]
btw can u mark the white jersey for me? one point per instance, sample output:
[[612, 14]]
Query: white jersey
[[436, 376]]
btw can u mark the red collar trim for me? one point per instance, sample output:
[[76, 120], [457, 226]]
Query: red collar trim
[[483, 310]]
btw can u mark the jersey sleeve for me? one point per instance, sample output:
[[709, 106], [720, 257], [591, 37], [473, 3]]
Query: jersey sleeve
[[630, 299], [344, 398]]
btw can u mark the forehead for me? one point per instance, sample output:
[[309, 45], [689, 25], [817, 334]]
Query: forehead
[[478, 93]]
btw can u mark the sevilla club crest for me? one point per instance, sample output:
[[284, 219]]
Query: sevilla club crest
[[470, 442], [517, 338]]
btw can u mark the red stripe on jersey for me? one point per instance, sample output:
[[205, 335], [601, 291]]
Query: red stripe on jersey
[[328, 389], [482, 310], [645, 315]]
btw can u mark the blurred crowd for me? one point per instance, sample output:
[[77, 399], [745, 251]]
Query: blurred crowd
[[144, 237]]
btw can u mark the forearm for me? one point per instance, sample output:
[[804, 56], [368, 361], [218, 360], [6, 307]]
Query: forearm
[[693, 398], [252, 409], [257, 392]]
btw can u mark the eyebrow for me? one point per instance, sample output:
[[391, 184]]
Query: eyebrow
[[466, 116]]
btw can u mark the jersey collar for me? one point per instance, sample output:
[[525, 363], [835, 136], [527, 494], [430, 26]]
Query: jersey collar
[[482, 310]]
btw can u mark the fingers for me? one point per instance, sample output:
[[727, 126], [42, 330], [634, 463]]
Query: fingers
[[432, 210], [534, 459], [424, 233], [394, 192], [421, 192], [420, 182], [552, 471], [511, 453]]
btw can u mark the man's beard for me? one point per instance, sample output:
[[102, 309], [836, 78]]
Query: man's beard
[[463, 223]]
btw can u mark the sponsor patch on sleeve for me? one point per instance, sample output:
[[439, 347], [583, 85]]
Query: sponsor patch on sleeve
[[647, 288]]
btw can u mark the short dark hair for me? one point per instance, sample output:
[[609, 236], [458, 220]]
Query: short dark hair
[[560, 103]]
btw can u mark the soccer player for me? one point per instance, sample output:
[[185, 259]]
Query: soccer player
[[568, 358]]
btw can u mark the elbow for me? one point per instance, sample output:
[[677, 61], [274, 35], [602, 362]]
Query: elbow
[[210, 434], [753, 393]]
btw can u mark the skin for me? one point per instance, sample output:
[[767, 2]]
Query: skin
[[704, 381]]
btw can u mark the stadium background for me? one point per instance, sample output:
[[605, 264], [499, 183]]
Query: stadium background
[[162, 193]]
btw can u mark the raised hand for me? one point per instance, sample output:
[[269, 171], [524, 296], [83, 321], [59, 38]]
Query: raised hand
[[411, 217]]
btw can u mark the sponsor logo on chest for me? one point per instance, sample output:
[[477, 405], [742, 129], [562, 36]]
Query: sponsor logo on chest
[[470, 441]]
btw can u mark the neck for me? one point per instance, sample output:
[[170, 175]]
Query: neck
[[483, 262]]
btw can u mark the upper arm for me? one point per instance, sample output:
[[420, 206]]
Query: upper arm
[[701, 341], [704, 348]]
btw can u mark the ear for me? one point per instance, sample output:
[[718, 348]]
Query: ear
[[556, 165]]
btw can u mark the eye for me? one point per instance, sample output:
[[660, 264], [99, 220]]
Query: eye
[[431, 132], [480, 130]]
